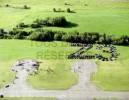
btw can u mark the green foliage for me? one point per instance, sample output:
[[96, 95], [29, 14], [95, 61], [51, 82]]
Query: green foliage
[[68, 10], [26, 7], [22, 25], [42, 36], [35, 25], [54, 10], [75, 37], [58, 36], [57, 21]]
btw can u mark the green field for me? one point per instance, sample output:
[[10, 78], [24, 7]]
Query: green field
[[54, 74], [19, 49], [51, 54], [5, 72], [113, 76], [94, 51], [104, 16], [110, 76]]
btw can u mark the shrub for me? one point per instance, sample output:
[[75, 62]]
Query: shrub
[[65, 3], [54, 10], [26, 7], [42, 36], [68, 38], [7, 5], [68, 10], [21, 35], [85, 4], [35, 25], [7, 36], [57, 21], [22, 25], [58, 37], [2, 33], [34, 36]]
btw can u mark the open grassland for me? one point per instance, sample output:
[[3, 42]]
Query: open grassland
[[54, 74], [54, 71], [5, 72], [19, 49], [104, 16], [56, 68], [113, 76]]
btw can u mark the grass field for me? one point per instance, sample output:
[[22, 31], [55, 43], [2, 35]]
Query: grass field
[[54, 74], [94, 51], [104, 16], [5, 73], [52, 54], [110, 76], [113, 76], [18, 49]]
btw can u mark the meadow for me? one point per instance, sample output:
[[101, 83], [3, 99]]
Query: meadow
[[110, 17], [113, 75], [53, 75], [55, 68], [103, 16], [53, 55]]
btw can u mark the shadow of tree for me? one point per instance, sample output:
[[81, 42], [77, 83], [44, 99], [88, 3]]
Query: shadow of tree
[[70, 25]]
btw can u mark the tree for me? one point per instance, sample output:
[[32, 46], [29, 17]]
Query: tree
[[68, 10], [26, 7], [54, 10]]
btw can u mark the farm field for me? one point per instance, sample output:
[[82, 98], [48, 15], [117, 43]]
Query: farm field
[[110, 16]]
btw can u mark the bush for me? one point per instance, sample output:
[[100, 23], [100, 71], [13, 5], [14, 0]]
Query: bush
[[35, 25], [2, 33], [7, 5], [7, 36], [57, 21], [58, 37], [42, 36], [26, 7], [68, 38], [68, 10], [34, 36], [21, 35], [22, 25], [54, 9]]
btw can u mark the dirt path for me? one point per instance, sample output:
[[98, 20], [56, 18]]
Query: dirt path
[[83, 90]]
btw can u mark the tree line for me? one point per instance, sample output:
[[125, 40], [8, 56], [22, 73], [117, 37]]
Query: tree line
[[73, 37]]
